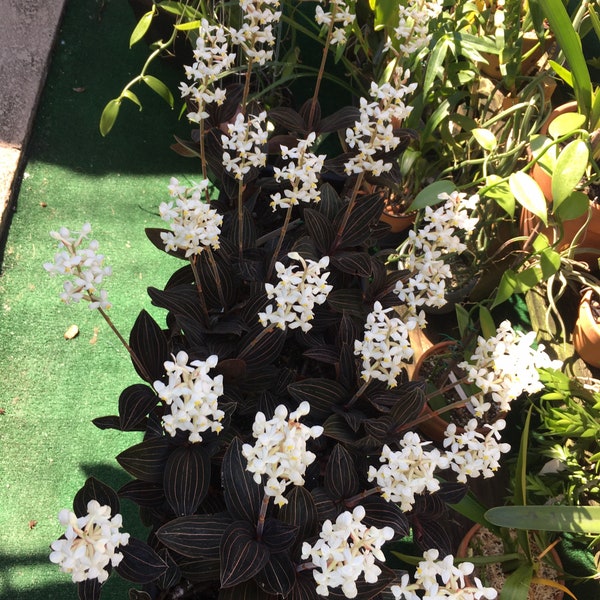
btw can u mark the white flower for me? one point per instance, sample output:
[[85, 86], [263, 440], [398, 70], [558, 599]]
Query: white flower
[[409, 471], [243, 147], [192, 395], [341, 13], [414, 17], [195, 225], [345, 550], [423, 255], [385, 348], [212, 61], [280, 450], [83, 266], [302, 173], [296, 293], [506, 365], [89, 543], [374, 131], [440, 579]]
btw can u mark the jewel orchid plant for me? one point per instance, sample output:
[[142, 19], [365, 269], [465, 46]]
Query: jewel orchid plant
[[281, 450]]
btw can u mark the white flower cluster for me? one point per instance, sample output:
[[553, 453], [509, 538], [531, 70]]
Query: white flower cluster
[[296, 294], [409, 471], [504, 366], [280, 450], [414, 18], [84, 266], [426, 248], [385, 348], [473, 453], [212, 60], [196, 226], [303, 175], [345, 550], [374, 132], [441, 579], [89, 543], [256, 36], [192, 395], [243, 147], [340, 13]]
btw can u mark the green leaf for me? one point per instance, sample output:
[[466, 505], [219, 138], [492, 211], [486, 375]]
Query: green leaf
[[570, 43], [499, 191], [574, 206], [565, 519], [550, 262], [565, 124], [109, 116], [486, 322], [516, 585], [485, 138], [570, 167], [428, 196], [462, 319], [131, 96], [142, 26], [506, 288], [160, 88], [529, 195], [188, 26]]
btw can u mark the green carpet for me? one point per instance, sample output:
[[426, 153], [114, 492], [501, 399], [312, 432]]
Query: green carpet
[[55, 387]]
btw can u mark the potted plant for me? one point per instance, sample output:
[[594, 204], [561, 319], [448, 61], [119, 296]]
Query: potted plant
[[586, 334], [519, 562], [277, 418]]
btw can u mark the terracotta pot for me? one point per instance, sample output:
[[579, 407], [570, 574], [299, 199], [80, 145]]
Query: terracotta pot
[[435, 426], [586, 334], [400, 222], [494, 576], [530, 41], [591, 236]]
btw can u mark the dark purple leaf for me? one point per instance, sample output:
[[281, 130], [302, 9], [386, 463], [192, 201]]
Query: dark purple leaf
[[181, 300], [381, 513], [359, 264], [341, 477], [411, 400], [452, 492], [364, 215], [186, 478], [350, 301], [431, 534], [341, 119], [288, 118], [109, 422], [196, 536], [320, 392], [320, 230], [172, 575], [140, 564], [242, 556], [330, 203], [380, 428], [348, 371], [326, 509], [200, 569], [277, 535], [89, 589], [149, 344], [337, 428], [327, 354], [278, 576], [243, 495], [305, 587], [143, 493], [135, 402], [248, 590], [94, 489], [146, 460], [301, 512], [263, 348]]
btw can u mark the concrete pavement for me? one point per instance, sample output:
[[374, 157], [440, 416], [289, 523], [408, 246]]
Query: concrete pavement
[[28, 30]]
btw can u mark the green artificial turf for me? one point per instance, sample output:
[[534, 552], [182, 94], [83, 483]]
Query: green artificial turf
[[54, 387]]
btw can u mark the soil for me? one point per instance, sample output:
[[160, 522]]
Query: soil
[[485, 543]]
